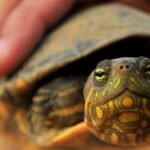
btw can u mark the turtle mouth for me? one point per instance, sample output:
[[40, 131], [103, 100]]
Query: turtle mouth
[[126, 100], [123, 92]]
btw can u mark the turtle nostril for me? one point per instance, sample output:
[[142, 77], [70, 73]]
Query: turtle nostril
[[121, 67], [127, 66]]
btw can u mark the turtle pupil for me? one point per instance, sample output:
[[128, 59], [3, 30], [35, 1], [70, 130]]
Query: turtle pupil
[[99, 74]]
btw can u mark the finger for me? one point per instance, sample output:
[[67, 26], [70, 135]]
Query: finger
[[6, 6], [24, 28]]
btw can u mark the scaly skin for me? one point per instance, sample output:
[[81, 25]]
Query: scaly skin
[[117, 96]]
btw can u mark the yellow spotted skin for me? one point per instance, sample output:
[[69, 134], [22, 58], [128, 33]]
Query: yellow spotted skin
[[118, 110], [127, 102]]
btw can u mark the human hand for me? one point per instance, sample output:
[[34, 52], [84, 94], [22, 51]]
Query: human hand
[[22, 24]]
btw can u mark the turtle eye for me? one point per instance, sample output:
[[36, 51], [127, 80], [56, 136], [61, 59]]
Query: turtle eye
[[147, 70], [100, 75]]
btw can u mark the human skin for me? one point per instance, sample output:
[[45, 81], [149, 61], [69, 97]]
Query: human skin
[[24, 22]]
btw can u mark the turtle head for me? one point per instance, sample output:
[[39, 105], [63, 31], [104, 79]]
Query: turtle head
[[117, 97]]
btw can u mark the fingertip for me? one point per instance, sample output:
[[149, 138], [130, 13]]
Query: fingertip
[[6, 57], [10, 56]]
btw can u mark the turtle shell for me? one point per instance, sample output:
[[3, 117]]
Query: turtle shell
[[80, 35]]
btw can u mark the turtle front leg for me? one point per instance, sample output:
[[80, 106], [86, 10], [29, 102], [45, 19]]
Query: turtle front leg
[[56, 106]]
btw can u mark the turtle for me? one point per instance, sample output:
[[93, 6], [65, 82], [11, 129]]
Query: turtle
[[101, 51]]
